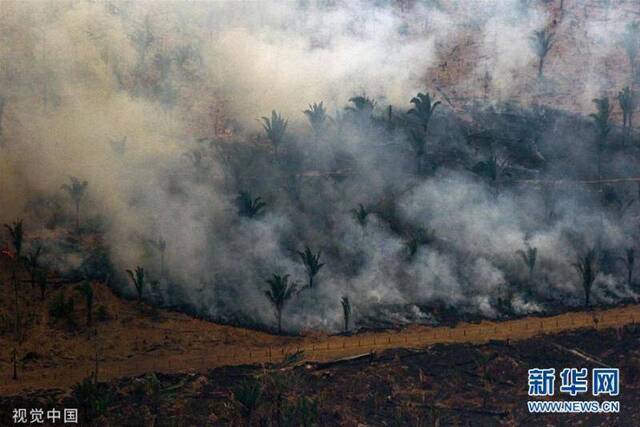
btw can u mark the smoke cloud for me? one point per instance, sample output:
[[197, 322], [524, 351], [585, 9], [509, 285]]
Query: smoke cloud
[[158, 106]]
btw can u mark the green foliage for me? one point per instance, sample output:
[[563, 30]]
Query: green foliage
[[138, 280], [346, 311], [541, 42], [93, 399], [311, 263], [280, 291], [318, 118], [248, 207], [248, 396], [275, 128], [360, 215], [16, 234], [587, 267], [87, 292]]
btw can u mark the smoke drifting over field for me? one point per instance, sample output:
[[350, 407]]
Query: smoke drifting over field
[[157, 106]]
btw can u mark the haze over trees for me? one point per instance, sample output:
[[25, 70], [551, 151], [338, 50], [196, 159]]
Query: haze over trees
[[76, 190], [419, 166], [138, 281], [542, 42], [587, 267], [311, 263], [280, 291]]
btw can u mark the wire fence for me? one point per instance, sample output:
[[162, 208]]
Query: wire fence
[[330, 348], [344, 346]]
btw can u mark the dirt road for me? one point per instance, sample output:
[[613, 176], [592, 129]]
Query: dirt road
[[256, 348]]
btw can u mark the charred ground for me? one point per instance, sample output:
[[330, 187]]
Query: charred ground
[[442, 385]]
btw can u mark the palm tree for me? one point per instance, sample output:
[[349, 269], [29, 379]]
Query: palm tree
[[529, 258], [360, 215], [138, 281], [603, 127], [32, 260], [76, 190], [629, 261], [541, 42], [87, 291], [311, 263], [346, 311], [626, 99], [318, 118], [280, 291], [423, 108], [362, 105], [248, 207], [275, 128], [587, 268]]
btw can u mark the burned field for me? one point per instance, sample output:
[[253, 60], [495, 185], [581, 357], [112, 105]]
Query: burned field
[[481, 385], [187, 184]]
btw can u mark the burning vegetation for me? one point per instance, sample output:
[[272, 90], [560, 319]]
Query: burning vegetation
[[453, 162], [402, 203]]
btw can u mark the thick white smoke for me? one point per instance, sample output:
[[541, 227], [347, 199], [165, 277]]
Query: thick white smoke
[[156, 105]]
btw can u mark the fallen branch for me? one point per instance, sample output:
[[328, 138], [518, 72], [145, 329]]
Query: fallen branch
[[581, 355]]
